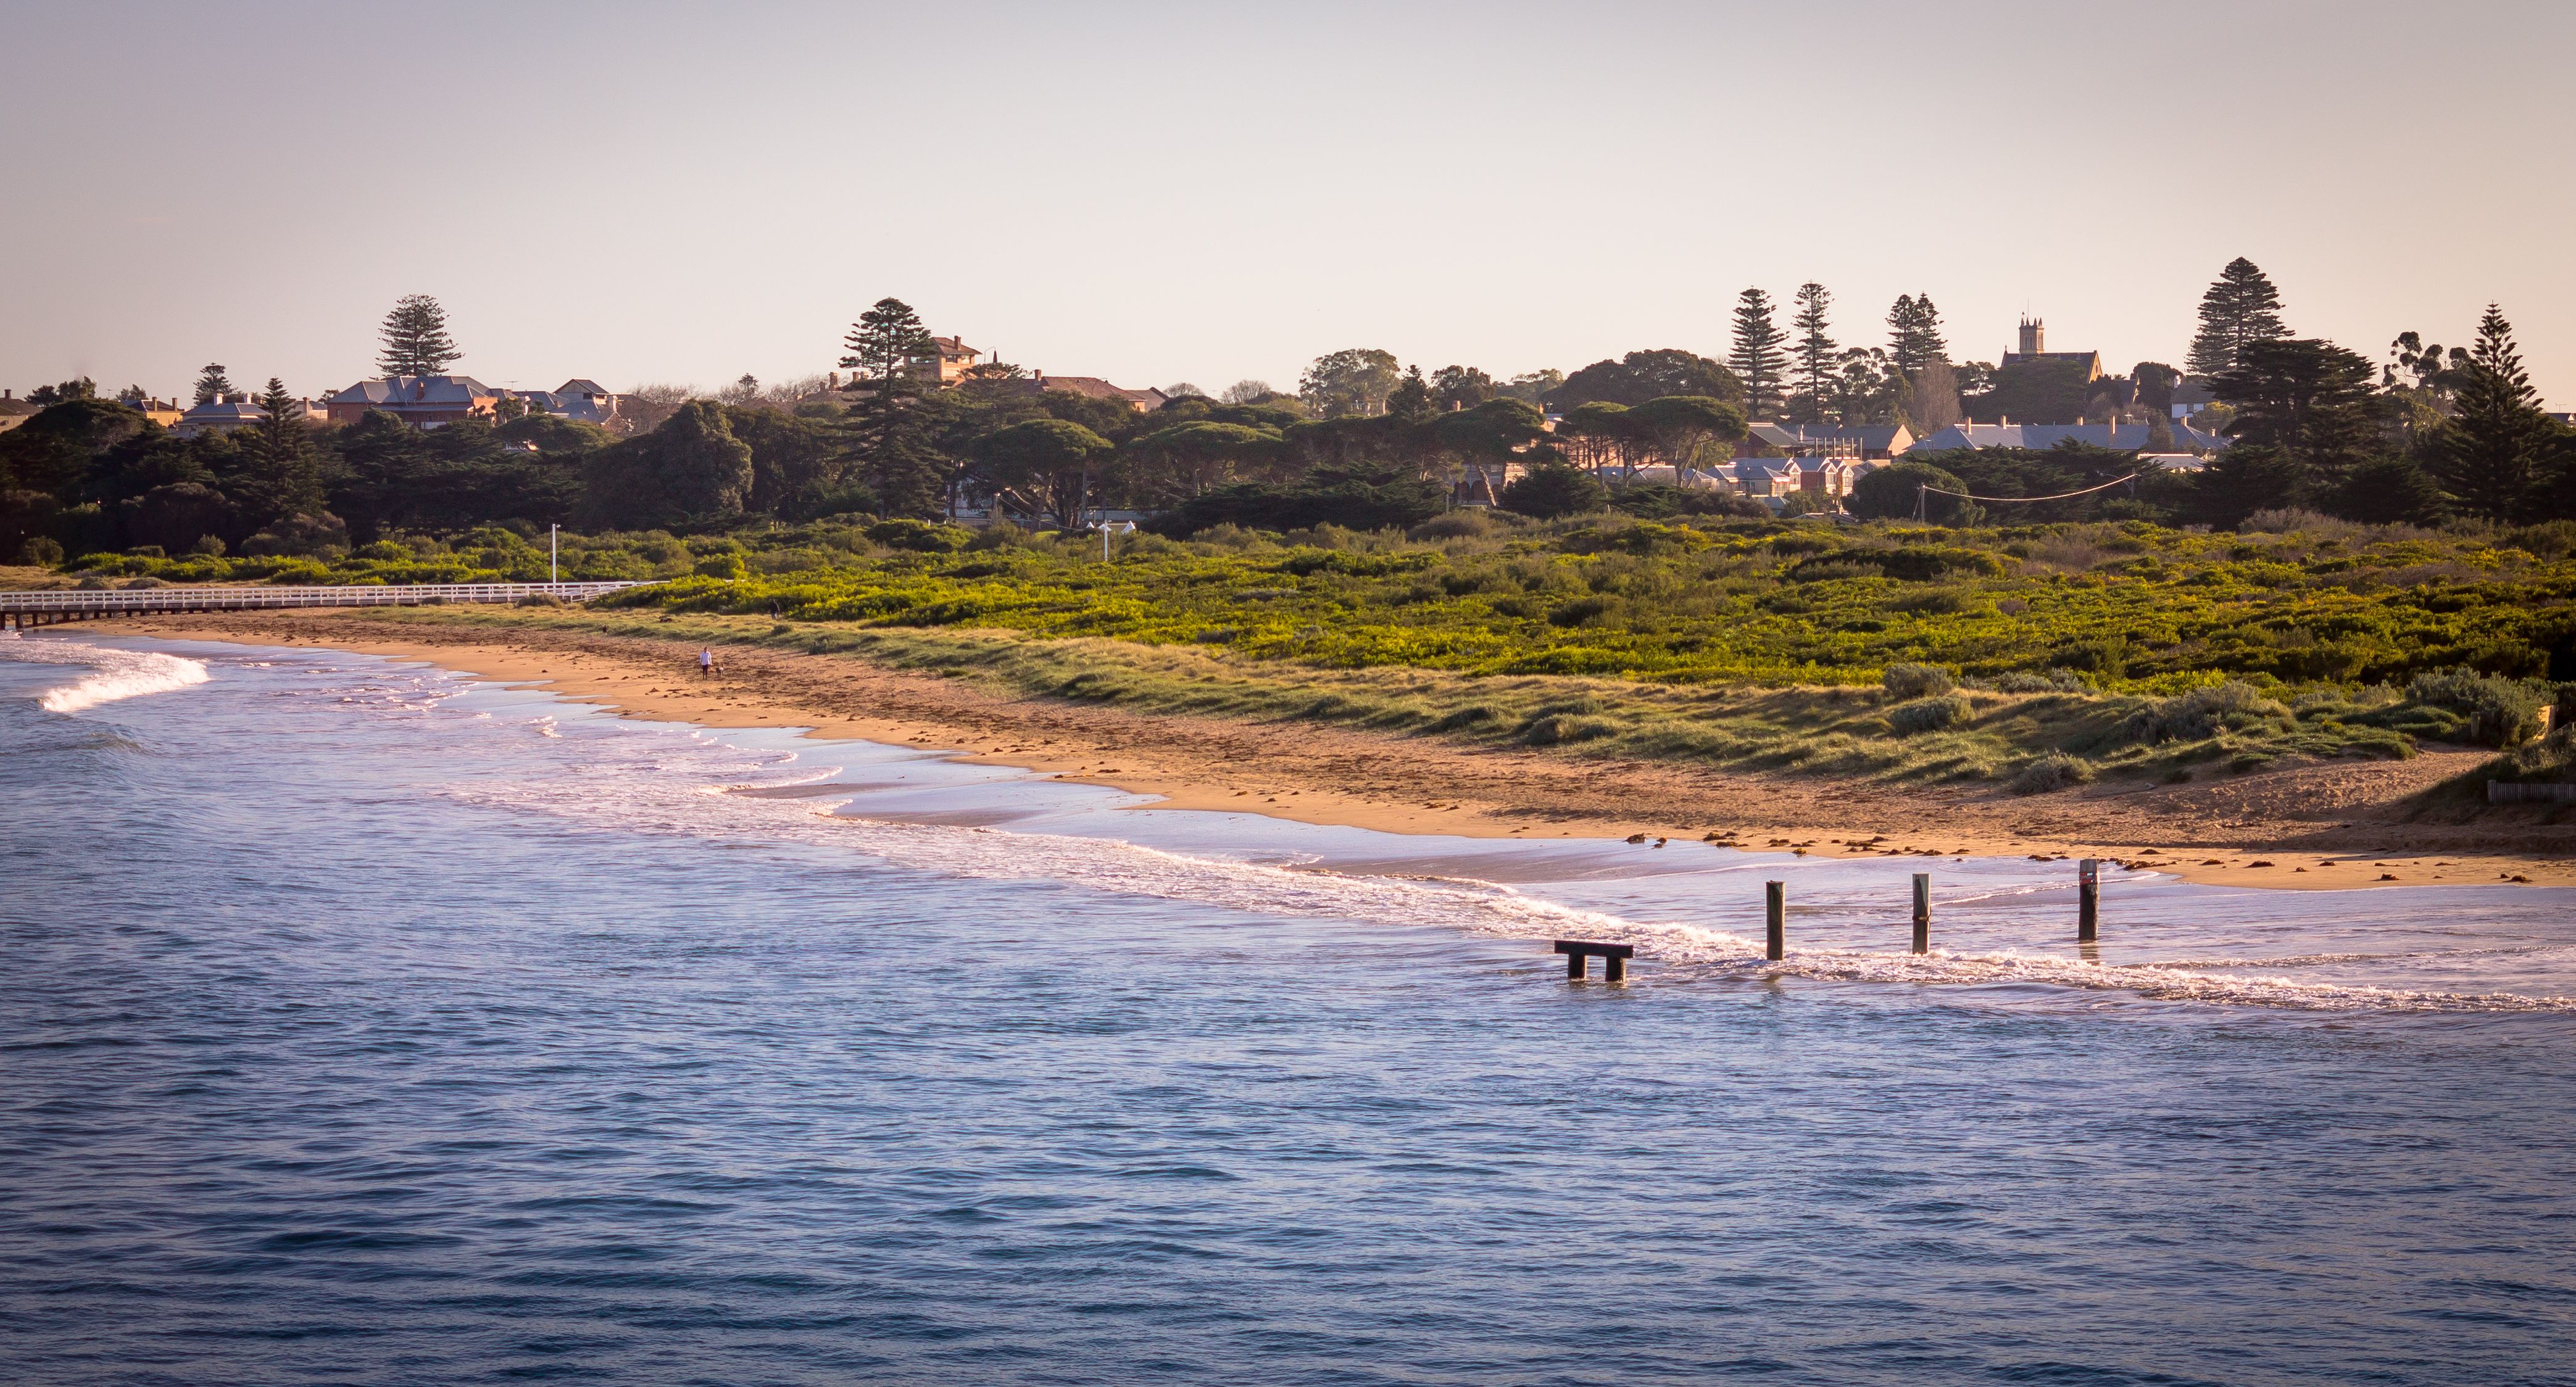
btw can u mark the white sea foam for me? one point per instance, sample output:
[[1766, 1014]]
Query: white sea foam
[[639, 791], [115, 674]]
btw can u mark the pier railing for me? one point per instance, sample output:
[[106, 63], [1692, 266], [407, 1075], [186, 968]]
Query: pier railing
[[79, 604]]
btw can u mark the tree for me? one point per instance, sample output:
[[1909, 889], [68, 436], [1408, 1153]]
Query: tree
[[1914, 334], [285, 475], [886, 339], [1462, 387], [1814, 351], [2035, 390], [1411, 399], [2156, 382], [1534, 386], [1933, 398], [2389, 491], [1894, 493], [1047, 461], [416, 340], [1676, 426], [1184, 461], [1595, 434], [1246, 392], [691, 471], [213, 384], [2240, 309], [1757, 357], [1552, 489], [44, 396], [1355, 381], [2306, 399], [2493, 451], [1641, 376]]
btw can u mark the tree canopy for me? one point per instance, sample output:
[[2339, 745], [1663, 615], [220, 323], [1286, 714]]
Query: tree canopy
[[1759, 356], [416, 342], [2493, 454], [1645, 375], [2240, 309], [1355, 381]]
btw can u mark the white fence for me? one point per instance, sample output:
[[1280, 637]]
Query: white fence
[[80, 602]]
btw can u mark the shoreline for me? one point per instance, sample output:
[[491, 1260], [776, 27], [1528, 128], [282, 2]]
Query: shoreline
[[1404, 785]]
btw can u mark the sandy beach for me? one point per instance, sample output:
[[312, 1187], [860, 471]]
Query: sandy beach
[[2328, 826]]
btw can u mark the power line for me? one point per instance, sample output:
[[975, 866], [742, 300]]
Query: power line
[[1923, 490]]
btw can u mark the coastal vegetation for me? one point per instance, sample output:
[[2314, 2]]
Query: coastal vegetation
[[2040, 657]]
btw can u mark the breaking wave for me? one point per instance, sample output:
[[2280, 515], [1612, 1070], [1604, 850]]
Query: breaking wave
[[115, 674], [647, 797]]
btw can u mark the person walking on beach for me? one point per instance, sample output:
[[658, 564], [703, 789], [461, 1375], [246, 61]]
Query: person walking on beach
[[706, 663]]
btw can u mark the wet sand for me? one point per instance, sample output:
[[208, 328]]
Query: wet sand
[[2336, 825]]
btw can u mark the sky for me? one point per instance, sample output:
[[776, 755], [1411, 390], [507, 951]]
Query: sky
[[683, 193]]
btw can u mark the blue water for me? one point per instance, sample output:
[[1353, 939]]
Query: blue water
[[363, 1024]]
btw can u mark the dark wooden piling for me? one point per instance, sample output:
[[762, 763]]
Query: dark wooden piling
[[1775, 907], [1922, 912], [2088, 900], [1614, 958]]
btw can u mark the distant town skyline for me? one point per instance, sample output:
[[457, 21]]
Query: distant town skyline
[[1154, 194]]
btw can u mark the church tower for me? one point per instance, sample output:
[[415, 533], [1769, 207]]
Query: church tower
[[2034, 337]]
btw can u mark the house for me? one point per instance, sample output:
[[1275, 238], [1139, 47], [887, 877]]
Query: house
[[1819, 440], [2034, 348], [946, 363], [584, 400], [1878, 442], [2121, 438], [14, 411], [1813, 474], [222, 414], [1142, 401], [420, 401], [2191, 397]]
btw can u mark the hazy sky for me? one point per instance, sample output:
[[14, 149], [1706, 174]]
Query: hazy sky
[[1156, 193]]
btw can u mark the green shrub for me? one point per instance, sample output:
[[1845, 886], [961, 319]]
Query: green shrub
[[726, 566], [41, 552], [1928, 714], [1559, 729], [2500, 711], [1916, 681], [920, 536], [2201, 713], [2051, 772]]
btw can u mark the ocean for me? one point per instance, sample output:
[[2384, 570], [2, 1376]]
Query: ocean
[[366, 1023]]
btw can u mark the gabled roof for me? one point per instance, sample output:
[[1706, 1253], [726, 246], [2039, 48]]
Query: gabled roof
[[416, 390], [580, 387], [2039, 437], [224, 412]]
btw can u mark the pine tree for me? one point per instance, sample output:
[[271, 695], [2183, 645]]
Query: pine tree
[[1815, 351], [2242, 307], [2492, 451], [416, 340], [1914, 334], [1758, 358], [213, 384], [890, 445], [886, 339], [1411, 399], [284, 473]]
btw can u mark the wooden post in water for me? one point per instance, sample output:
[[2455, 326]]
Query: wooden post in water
[[1922, 912], [2088, 899], [1775, 905]]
